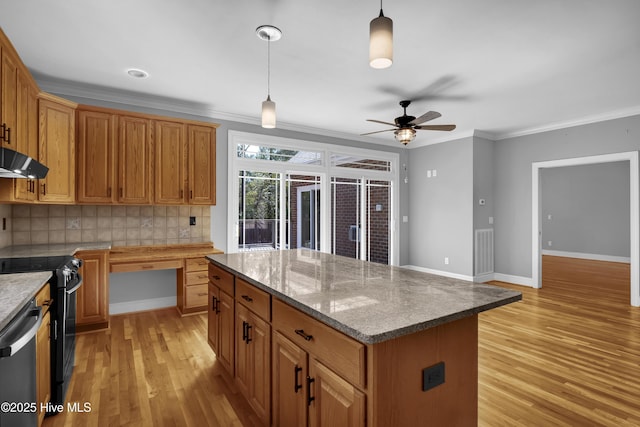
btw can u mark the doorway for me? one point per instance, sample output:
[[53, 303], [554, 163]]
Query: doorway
[[634, 214]]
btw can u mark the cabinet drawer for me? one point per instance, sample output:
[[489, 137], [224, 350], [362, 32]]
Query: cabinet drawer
[[196, 264], [221, 279], [145, 266], [43, 298], [196, 296], [341, 353], [197, 278], [254, 299]]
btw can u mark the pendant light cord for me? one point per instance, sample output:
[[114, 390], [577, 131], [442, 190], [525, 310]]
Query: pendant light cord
[[269, 66]]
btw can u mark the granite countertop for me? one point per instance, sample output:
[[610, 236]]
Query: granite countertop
[[16, 290], [51, 250], [367, 301]]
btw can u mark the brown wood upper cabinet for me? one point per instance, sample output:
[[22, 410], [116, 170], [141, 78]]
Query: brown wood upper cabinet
[[18, 118], [149, 159], [57, 149]]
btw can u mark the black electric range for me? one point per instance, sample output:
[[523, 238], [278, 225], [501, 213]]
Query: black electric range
[[65, 281]]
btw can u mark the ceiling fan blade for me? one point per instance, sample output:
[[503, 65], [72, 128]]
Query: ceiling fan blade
[[425, 117], [378, 131], [381, 122], [436, 127]]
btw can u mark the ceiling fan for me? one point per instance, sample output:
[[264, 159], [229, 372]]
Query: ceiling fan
[[406, 126]]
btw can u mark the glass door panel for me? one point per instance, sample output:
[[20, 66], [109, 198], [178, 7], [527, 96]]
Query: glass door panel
[[304, 211], [258, 211], [345, 217]]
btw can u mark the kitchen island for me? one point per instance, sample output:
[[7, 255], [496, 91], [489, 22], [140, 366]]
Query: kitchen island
[[318, 338]]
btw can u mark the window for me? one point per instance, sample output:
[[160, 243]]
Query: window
[[282, 197]]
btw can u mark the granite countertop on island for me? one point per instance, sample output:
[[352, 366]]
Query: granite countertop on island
[[367, 301]]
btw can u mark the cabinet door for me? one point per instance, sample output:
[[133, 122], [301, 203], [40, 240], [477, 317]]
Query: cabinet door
[[335, 403], [9, 98], [202, 164], [169, 163], [134, 162], [260, 345], [243, 359], [43, 364], [288, 383], [57, 152], [213, 326], [27, 116], [93, 295], [96, 157], [227, 336]]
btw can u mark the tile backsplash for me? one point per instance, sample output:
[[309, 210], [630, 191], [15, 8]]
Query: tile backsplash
[[120, 225]]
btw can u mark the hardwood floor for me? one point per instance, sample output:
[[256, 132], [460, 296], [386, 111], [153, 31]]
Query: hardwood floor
[[152, 369], [567, 355]]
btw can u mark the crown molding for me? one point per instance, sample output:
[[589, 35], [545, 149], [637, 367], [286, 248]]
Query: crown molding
[[618, 114], [100, 93]]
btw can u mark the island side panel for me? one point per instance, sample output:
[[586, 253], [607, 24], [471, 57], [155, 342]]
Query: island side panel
[[395, 377]]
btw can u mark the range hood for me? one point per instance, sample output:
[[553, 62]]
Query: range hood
[[18, 165]]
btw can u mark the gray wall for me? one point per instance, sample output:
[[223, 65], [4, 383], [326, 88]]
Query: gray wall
[[482, 182], [512, 178], [441, 207], [127, 287], [589, 208]]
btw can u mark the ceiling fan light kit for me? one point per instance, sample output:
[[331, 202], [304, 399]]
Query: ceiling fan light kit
[[405, 135], [268, 33], [381, 41]]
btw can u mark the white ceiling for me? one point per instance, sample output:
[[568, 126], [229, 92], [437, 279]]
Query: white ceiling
[[499, 67]]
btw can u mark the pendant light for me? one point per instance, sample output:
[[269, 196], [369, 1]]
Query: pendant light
[[381, 41], [268, 33]]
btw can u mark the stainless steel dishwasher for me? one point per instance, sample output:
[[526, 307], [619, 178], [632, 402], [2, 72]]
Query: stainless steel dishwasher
[[18, 406]]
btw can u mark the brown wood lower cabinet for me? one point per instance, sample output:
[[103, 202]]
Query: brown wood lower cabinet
[[43, 353], [220, 327], [253, 360], [314, 375], [93, 295]]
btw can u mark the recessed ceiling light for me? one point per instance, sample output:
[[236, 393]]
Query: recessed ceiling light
[[138, 74]]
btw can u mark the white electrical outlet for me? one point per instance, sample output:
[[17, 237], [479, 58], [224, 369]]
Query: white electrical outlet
[[490, 220], [434, 173], [428, 174], [549, 217], [549, 243], [446, 260], [405, 218]]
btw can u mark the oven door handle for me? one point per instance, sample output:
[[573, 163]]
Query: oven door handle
[[75, 288], [25, 337]]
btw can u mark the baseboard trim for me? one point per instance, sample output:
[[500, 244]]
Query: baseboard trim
[[439, 272], [142, 305], [516, 280], [581, 255]]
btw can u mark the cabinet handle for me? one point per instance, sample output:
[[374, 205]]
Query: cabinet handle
[[44, 188], [201, 294], [47, 303], [191, 194], [147, 267], [303, 334], [248, 330], [181, 194], [213, 304], [215, 277], [120, 192], [6, 133], [33, 186], [247, 298], [202, 276], [109, 192], [244, 331], [297, 386], [309, 397]]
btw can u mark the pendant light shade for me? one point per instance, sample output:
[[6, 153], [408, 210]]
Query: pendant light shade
[[381, 41], [268, 113], [405, 135], [268, 33]]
